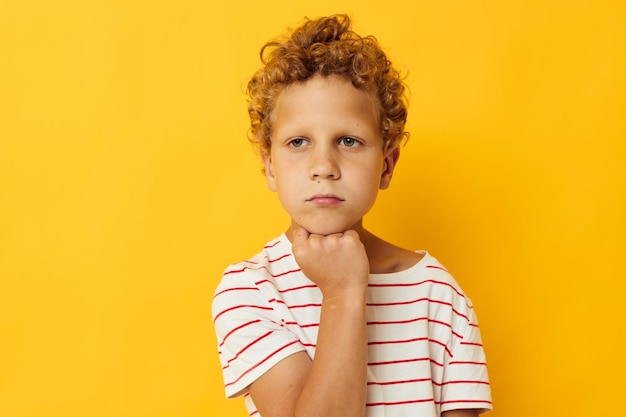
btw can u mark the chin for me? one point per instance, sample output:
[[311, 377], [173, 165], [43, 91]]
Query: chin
[[326, 232], [325, 229]]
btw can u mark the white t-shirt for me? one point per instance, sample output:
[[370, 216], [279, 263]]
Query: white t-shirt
[[425, 354]]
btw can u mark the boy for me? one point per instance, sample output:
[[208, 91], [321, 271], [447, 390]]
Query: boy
[[330, 320]]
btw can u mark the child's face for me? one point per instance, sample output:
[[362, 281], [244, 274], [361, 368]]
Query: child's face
[[326, 161]]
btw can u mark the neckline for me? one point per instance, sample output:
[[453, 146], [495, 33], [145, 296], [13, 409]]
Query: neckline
[[409, 270], [375, 276]]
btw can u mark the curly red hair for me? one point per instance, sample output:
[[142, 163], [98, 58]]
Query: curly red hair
[[326, 46]]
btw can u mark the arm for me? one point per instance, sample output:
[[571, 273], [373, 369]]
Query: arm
[[460, 413], [334, 384]]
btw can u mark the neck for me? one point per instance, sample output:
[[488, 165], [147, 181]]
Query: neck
[[369, 240]]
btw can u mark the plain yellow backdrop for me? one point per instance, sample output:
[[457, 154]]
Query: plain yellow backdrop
[[127, 185]]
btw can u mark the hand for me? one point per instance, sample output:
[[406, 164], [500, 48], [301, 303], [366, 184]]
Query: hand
[[337, 263]]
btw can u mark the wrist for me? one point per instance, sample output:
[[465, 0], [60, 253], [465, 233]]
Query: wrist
[[346, 298]]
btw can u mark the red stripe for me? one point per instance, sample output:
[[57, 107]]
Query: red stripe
[[246, 268], [472, 344], [416, 320], [241, 306], [443, 323], [295, 323], [236, 271], [415, 284], [460, 314], [437, 267], [278, 259], [418, 339], [402, 303], [407, 381], [260, 363], [437, 342], [302, 287], [392, 342], [236, 289], [258, 339], [304, 305], [430, 300], [263, 281], [467, 363], [465, 382], [388, 403], [237, 328], [397, 362], [464, 401], [399, 321], [404, 361], [271, 245]]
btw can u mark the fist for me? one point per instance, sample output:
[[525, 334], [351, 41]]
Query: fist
[[337, 263]]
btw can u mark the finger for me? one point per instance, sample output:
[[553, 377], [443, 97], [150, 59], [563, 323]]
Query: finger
[[352, 233], [299, 235]]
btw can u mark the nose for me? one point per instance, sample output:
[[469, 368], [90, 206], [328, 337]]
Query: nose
[[324, 165]]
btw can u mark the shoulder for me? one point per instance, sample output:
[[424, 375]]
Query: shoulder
[[445, 282], [255, 279], [426, 276], [265, 263], [245, 275]]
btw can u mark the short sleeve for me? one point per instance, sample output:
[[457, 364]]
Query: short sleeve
[[465, 380], [251, 336]]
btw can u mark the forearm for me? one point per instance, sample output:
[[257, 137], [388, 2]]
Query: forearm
[[336, 384]]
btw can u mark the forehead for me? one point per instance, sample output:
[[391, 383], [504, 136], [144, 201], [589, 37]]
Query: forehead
[[331, 100]]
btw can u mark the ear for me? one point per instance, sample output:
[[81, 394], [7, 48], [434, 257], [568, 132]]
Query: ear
[[389, 164], [268, 170]]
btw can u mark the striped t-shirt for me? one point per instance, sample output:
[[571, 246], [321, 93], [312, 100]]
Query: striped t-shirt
[[425, 354]]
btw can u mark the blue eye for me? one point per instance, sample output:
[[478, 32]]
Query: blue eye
[[349, 142]]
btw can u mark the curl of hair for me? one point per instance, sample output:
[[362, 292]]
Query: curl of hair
[[326, 46]]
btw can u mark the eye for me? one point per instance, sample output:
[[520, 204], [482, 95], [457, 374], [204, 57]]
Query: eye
[[297, 142], [349, 142]]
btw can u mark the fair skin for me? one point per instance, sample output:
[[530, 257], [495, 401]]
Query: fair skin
[[327, 163]]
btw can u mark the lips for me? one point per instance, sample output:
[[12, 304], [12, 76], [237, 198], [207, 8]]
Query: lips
[[325, 200]]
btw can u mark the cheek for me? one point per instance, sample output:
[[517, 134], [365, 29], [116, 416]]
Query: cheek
[[368, 182], [286, 183], [371, 174]]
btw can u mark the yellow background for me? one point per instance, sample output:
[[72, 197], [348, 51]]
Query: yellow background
[[127, 185]]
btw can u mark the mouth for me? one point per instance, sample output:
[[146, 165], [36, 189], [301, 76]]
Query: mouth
[[325, 200]]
